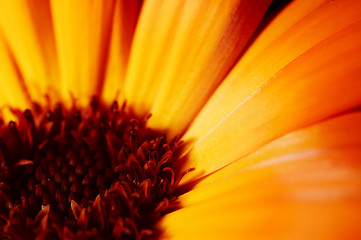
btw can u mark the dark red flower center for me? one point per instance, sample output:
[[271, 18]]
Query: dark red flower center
[[91, 173]]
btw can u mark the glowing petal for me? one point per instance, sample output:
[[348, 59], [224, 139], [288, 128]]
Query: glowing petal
[[124, 21], [294, 12], [12, 92], [82, 30], [342, 132], [315, 195], [306, 182], [27, 28], [276, 47], [181, 52], [306, 91]]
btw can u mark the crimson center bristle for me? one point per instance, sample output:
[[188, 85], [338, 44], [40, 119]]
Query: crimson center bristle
[[94, 172]]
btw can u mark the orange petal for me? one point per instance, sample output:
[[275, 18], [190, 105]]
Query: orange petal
[[124, 21], [320, 83], [340, 133], [181, 52], [298, 28], [82, 31], [12, 92], [292, 14], [304, 196], [27, 29], [309, 174]]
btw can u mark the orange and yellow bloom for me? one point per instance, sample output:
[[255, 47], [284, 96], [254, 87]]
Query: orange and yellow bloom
[[269, 115]]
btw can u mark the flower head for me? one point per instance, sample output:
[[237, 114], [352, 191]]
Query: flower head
[[267, 104]]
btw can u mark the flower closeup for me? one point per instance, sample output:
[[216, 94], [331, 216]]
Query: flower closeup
[[180, 119]]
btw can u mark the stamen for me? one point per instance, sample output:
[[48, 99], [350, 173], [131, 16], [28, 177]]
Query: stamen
[[95, 172]]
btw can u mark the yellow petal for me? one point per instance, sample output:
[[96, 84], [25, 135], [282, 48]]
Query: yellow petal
[[124, 21], [320, 83], [13, 92], [294, 12], [27, 29], [286, 38], [304, 182], [340, 133], [305, 196], [181, 52], [82, 31]]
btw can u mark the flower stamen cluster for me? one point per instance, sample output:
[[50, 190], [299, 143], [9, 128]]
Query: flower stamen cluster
[[93, 173]]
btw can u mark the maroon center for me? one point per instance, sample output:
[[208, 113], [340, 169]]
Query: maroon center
[[94, 173]]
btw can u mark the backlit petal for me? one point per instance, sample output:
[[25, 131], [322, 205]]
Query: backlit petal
[[27, 29], [278, 45], [342, 132], [181, 52], [12, 90], [306, 91], [82, 31], [304, 185], [305, 196], [124, 21]]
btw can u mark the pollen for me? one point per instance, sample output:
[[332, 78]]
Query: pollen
[[91, 173]]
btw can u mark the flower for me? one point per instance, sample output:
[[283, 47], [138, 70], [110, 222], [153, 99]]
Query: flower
[[271, 128]]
